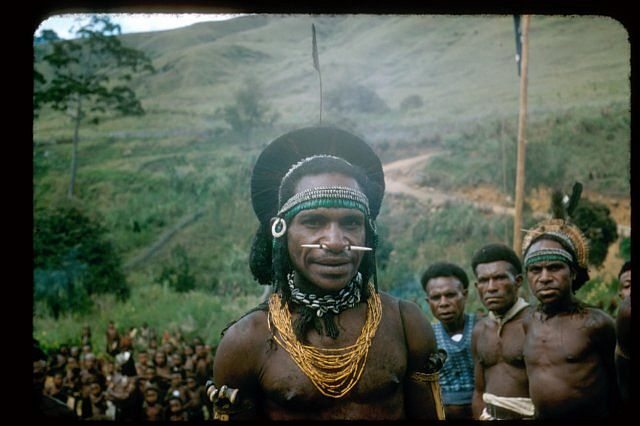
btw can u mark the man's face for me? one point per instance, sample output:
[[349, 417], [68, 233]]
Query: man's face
[[151, 396], [497, 285], [550, 281], [329, 269], [160, 359], [625, 284], [446, 297]]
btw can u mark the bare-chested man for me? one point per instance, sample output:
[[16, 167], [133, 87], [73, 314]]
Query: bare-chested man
[[327, 345], [569, 347], [501, 383]]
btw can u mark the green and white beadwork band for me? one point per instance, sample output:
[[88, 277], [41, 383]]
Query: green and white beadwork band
[[327, 197], [548, 255]]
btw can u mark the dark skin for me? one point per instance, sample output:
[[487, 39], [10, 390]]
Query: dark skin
[[446, 297], [249, 359], [499, 362], [568, 355], [623, 351], [625, 284]]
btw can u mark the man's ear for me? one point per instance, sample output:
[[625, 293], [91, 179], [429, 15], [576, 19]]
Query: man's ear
[[519, 280]]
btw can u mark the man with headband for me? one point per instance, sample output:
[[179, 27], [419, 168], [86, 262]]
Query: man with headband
[[569, 346], [326, 344], [501, 384]]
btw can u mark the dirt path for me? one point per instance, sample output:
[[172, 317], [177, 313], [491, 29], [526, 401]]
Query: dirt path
[[400, 179], [400, 174]]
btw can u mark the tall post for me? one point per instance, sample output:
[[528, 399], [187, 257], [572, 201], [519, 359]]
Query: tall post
[[519, 198]]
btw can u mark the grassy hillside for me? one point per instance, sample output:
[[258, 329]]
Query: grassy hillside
[[144, 175]]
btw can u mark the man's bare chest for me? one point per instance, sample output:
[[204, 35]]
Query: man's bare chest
[[297, 385], [505, 347]]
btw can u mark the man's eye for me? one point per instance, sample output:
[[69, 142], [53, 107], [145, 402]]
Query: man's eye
[[312, 222], [353, 222]]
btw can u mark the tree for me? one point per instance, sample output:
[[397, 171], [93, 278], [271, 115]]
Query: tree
[[73, 260], [87, 76], [250, 109], [594, 220], [177, 275]]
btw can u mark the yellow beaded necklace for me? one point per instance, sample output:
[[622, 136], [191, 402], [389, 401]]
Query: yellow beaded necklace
[[334, 372]]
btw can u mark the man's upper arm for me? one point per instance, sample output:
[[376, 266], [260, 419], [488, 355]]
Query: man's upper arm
[[478, 372], [421, 341], [236, 366]]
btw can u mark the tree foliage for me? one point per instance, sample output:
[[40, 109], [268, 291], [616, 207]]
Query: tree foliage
[[594, 220], [87, 76], [249, 110], [93, 66], [178, 275], [73, 260]]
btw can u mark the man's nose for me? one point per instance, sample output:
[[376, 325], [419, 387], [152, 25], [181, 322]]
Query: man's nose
[[492, 285], [443, 301], [334, 239], [545, 275]]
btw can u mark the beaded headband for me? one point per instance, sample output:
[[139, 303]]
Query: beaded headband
[[548, 255], [320, 197], [325, 196]]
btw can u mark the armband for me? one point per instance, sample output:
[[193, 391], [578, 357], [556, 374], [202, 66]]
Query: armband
[[434, 364], [226, 401], [424, 377]]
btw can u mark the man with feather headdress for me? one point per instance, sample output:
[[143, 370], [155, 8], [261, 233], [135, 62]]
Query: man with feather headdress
[[569, 346]]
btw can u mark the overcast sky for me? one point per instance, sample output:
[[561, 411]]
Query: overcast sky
[[63, 25]]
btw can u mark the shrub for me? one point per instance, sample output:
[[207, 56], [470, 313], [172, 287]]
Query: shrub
[[411, 102], [73, 260], [355, 98], [177, 275], [594, 220], [250, 109]]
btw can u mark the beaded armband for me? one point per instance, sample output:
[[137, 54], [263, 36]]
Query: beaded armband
[[434, 364], [424, 377]]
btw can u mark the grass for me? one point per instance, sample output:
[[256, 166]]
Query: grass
[[194, 314], [181, 157]]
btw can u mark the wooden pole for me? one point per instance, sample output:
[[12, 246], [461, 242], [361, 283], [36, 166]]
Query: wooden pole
[[519, 198]]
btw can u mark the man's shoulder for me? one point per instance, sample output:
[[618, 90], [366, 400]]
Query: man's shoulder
[[251, 320], [252, 325], [598, 318]]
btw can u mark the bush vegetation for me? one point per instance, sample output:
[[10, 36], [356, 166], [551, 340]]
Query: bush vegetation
[[188, 161]]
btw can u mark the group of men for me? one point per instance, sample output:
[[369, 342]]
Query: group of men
[[327, 344], [549, 361]]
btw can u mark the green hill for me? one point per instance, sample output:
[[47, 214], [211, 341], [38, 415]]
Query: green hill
[[145, 175]]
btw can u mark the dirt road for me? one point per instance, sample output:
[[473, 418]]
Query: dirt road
[[400, 178]]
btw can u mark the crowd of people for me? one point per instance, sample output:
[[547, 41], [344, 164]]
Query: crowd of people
[[137, 376], [326, 344]]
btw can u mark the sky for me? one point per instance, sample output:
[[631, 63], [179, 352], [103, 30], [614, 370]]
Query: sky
[[129, 22]]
